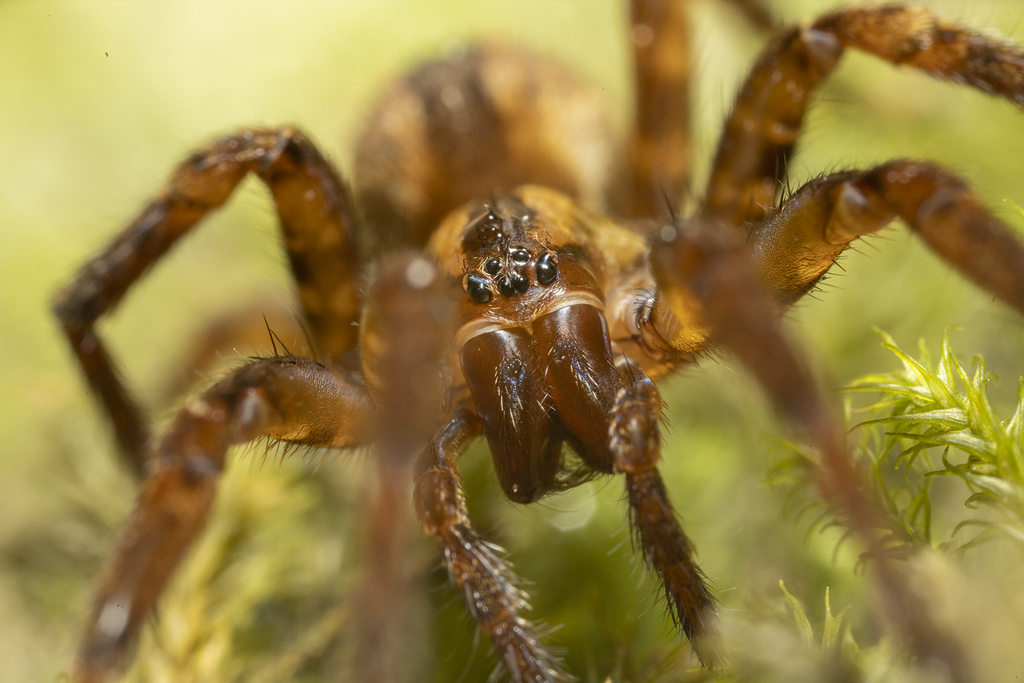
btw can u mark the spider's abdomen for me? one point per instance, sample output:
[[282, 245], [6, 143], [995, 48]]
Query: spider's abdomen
[[480, 121]]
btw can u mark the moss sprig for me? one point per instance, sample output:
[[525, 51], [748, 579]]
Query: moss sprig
[[929, 419]]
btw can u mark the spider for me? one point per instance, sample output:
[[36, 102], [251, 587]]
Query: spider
[[527, 317]]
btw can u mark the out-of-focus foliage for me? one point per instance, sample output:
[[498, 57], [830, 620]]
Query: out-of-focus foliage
[[100, 99], [929, 422]]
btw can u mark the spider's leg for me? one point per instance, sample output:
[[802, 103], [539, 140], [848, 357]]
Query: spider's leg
[[245, 332], [797, 245], [288, 398], [404, 333], [635, 445], [488, 585], [660, 145], [319, 235], [765, 121], [743, 319]]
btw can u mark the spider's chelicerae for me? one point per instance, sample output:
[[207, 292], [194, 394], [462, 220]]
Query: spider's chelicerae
[[528, 317]]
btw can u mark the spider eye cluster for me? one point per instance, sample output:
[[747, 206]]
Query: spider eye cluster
[[509, 274]]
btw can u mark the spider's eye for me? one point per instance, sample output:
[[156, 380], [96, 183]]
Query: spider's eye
[[505, 286], [547, 269], [519, 282], [492, 266], [520, 255], [513, 283], [478, 288]]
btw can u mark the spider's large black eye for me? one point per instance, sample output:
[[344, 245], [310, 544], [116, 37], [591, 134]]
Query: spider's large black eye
[[479, 288], [520, 255], [547, 269], [492, 266], [519, 282]]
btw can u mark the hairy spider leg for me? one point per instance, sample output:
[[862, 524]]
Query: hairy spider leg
[[766, 117], [659, 149], [245, 332], [403, 337], [287, 398], [743, 319], [797, 245], [319, 235], [488, 585], [405, 332]]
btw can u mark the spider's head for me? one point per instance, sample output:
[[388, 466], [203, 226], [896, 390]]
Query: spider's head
[[515, 259], [505, 256]]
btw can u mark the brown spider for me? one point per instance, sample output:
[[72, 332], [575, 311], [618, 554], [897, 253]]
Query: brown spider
[[529, 318]]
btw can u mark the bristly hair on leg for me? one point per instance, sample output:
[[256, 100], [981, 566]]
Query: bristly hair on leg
[[273, 343]]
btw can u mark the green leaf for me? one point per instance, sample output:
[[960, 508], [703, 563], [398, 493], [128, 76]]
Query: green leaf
[[946, 417], [802, 623], [830, 635]]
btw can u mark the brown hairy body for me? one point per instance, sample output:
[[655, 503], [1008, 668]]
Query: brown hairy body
[[527, 317]]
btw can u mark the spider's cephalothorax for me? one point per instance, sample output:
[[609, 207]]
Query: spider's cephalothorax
[[531, 320], [532, 340]]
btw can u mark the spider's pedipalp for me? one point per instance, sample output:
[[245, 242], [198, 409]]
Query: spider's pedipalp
[[486, 581], [634, 443]]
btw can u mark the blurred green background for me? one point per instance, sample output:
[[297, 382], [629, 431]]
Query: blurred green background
[[98, 100]]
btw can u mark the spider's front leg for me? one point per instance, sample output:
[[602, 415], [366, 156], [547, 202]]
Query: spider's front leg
[[740, 316], [319, 236], [769, 110], [798, 244], [404, 332], [297, 400], [292, 399]]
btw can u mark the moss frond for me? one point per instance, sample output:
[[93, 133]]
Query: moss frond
[[928, 419]]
